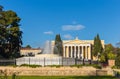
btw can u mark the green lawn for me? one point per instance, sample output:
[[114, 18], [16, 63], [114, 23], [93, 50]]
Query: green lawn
[[66, 77]]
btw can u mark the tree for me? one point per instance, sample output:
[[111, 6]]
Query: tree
[[10, 34], [97, 48], [117, 59], [28, 46], [58, 48], [109, 52], [1, 8]]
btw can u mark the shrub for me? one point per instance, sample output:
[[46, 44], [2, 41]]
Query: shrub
[[32, 66], [57, 66], [78, 66], [97, 66]]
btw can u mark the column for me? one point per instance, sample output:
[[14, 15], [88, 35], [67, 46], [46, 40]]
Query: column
[[78, 52], [89, 52], [85, 52], [67, 55], [74, 51], [82, 52], [71, 51], [64, 51]]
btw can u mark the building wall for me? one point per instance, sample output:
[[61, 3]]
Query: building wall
[[26, 51]]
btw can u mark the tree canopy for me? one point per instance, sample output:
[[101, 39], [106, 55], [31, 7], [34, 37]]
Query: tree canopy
[[108, 53], [28, 46], [58, 48], [10, 34]]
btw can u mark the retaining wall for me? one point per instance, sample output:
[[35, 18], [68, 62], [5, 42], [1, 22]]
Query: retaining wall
[[53, 71]]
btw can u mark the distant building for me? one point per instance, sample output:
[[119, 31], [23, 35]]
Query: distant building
[[81, 49], [30, 51]]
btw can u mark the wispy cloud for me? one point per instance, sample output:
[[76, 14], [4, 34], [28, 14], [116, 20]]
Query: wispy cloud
[[72, 27], [48, 32], [67, 36]]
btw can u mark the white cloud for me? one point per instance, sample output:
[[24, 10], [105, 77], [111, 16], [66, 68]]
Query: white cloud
[[68, 36], [72, 27], [48, 32]]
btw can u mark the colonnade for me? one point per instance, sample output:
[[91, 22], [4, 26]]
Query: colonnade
[[77, 51]]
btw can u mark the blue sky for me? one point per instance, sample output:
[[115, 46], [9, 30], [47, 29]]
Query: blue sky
[[41, 20]]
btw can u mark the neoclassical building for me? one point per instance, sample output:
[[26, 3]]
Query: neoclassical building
[[77, 48]]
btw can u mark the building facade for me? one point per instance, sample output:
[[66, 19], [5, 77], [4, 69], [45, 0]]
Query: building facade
[[30, 51], [81, 49]]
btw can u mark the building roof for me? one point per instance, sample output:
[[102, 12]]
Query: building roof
[[24, 48]]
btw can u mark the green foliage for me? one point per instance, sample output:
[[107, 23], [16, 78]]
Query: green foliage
[[28, 46], [111, 55], [32, 66], [97, 48], [58, 48], [13, 76], [115, 67], [109, 52], [97, 66], [102, 58], [117, 59], [57, 66], [78, 66], [10, 34]]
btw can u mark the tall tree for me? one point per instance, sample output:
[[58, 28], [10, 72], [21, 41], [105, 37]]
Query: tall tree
[[58, 48], [117, 59], [10, 34], [97, 48]]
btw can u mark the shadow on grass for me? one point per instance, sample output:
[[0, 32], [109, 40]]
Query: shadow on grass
[[92, 77], [67, 77]]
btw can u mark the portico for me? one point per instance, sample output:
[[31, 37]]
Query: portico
[[80, 51]]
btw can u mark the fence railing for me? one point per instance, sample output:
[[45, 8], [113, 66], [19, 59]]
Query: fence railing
[[5, 62], [45, 61]]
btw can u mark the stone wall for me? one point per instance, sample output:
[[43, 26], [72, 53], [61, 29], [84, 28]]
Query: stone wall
[[53, 71]]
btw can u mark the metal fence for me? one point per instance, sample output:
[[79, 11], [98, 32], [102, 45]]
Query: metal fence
[[51, 61], [46, 61], [5, 62]]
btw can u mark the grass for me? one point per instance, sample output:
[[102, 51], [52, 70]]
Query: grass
[[66, 77]]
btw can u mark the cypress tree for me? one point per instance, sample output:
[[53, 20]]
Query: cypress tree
[[98, 49], [58, 48]]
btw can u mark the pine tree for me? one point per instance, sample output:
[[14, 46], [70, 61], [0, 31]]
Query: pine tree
[[10, 34], [58, 48]]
